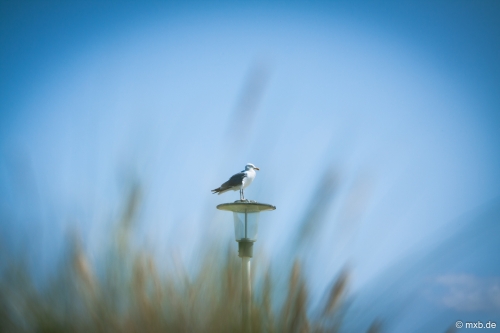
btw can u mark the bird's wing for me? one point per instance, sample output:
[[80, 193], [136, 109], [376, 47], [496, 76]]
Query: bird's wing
[[235, 180]]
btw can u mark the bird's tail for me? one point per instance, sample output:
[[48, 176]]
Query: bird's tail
[[220, 190]]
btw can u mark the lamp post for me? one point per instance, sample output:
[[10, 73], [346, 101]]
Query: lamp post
[[246, 218]]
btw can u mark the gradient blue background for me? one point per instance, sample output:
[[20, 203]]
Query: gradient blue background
[[398, 103]]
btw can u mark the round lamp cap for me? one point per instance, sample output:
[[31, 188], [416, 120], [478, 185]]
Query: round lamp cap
[[245, 207]]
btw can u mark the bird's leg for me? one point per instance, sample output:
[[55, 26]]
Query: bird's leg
[[241, 194]]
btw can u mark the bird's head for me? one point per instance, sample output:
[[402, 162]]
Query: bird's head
[[250, 166]]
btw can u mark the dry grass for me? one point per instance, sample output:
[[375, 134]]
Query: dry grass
[[131, 295]]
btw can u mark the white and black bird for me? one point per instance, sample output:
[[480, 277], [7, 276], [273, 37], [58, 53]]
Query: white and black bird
[[239, 181]]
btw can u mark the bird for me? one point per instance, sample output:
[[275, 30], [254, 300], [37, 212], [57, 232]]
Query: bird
[[239, 181]]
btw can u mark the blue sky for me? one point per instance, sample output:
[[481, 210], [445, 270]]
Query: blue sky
[[399, 101]]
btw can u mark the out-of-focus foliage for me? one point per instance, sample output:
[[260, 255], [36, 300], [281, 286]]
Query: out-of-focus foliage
[[131, 294]]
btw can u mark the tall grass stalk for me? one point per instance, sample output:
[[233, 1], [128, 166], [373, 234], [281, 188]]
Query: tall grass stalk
[[131, 295]]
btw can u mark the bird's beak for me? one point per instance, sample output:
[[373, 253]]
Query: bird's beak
[[256, 168]]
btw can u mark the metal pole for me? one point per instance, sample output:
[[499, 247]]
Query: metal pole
[[246, 290], [246, 220], [246, 293]]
